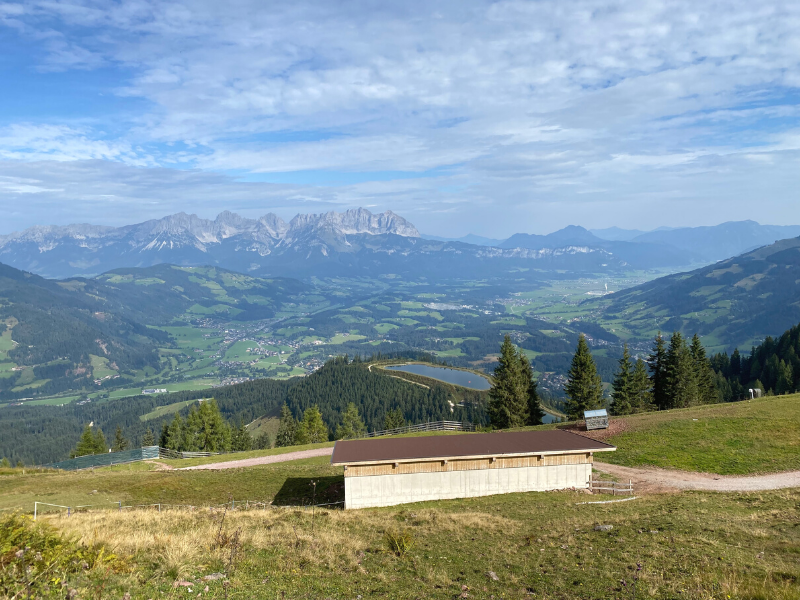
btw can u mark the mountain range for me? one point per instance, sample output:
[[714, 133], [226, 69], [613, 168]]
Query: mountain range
[[360, 243]]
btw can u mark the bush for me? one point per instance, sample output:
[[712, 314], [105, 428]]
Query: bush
[[37, 561]]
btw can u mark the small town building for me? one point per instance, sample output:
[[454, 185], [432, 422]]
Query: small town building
[[389, 471], [596, 419]]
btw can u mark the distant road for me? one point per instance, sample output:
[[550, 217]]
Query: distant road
[[654, 479], [262, 460]]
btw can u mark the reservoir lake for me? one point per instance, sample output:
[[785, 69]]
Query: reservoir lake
[[465, 379]]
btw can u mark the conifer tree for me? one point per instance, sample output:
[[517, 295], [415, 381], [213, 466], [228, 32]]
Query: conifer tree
[[535, 411], [681, 381], [508, 396], [623, 403], [173, 437], [100, 442], [120, 443], [87, 444], [352, 426], [262, 442], [394, 419], [785, 380], [287, 430], [641, 392], [703, 373], [312, 429], [241, 439], [657, 362], [584, 388], [215, 433], [6, 464], [148, 439]]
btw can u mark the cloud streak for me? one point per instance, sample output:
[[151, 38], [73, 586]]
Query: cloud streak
[[628, 109]]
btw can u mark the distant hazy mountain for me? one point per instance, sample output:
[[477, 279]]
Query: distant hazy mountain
[[642, 255], [616, 234], [471, 238], [731, 303], [721, 241]]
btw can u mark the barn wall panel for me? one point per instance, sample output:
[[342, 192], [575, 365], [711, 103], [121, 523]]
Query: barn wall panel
[[392, 489]]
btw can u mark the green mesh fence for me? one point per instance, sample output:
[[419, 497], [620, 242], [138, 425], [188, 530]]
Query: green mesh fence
[[104, 460]]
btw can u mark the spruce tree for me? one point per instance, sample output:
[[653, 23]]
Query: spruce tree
[[622, 402], [312, 429], [703, 373], [657, 362], [351, 426], [120, 443], [535, 411], [785, 380], [287, 429], [508, 396], [148, 439], [215, 433], [641, 391], [262, 442], [681, 382], [6, 464], [87, 444], [394, 419], [584, 388], [100, 445], [173, 438]]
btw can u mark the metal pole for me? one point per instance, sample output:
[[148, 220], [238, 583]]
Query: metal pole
[[69, 511], [120, 506], [35, 506]]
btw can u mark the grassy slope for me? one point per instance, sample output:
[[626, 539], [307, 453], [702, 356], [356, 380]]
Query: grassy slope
[[741, 438], [691, 546]]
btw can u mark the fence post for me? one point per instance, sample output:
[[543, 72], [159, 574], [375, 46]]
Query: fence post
[[35, 506], [69, 511], [159, 507], [120, 506]]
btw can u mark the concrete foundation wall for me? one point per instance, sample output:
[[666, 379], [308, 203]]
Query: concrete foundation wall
[[388, 490]]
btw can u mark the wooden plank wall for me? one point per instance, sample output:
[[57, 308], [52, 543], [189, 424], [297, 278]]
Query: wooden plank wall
[[468, 465]]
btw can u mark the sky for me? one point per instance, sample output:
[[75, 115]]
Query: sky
[[464, 117]]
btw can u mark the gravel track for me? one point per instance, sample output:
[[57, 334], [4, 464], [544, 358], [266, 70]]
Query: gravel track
[[655, 479], [262, 460]]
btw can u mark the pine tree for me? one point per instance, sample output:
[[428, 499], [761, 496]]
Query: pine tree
[[100, 445], [351, 426], [785, 380], [394, 419], [312, 429], [148, 439], [622, 403], [681, 382], [6, 464], [215, 433], [262, 442], [508, 396], [584, 388], [703, 373], [120, 443], [173, 438], [641, 392], [535, 411], [86, 444], [287, 430], [240, 439], [657, 362]]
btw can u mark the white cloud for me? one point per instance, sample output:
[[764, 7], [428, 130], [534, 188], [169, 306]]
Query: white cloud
[[529, 105]]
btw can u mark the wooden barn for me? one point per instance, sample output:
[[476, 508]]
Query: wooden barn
[[389, 471]]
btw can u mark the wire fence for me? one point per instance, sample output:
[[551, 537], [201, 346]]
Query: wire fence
[[234, 505], [433, 426]]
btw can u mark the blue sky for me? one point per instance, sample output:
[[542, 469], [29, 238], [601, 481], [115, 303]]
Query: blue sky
[[463, 116]]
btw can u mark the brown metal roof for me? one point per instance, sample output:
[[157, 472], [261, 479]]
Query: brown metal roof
[[478, 444]]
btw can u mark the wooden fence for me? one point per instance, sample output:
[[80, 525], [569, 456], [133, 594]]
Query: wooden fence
[[615, 488], [435, 426]]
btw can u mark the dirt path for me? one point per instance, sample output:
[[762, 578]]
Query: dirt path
[[262, 460], [653, 479]]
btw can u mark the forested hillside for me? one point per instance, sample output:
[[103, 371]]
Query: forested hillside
[[730, 303], [43, 434], [52, 330], [773, 366]]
